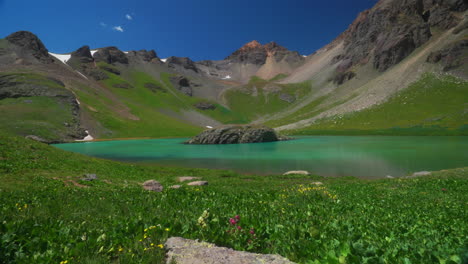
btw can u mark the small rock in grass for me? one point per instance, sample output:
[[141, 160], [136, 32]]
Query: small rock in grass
[[298, 172], [186, 251], [421, 173], [188, 178], [89, 177], [198, 183], [175, 186], [317, 183], [152, 185], [389, 177]]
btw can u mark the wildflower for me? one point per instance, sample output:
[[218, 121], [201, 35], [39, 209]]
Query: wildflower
[[239, 228], [120, 249], [145, 249], [152, 244], [444, 190], [64, 262], [25, 206], [237, 217], [160, 245], [202, 219], [252, 231], [167, 229], [146, 230], [145, 236], [232, 221]]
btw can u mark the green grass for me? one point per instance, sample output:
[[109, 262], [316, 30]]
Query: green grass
[[45, 218], [434, 105], [253, 101], [40, 116]]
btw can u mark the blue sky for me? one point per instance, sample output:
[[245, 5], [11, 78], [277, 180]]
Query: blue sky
[[199, 29]]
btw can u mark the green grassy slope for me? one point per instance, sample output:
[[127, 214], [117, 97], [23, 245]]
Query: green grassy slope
[[45, 112], [253, 101], [49, 215], [434, 105]]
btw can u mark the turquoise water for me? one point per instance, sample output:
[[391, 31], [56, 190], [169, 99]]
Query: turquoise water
[[361, 156]]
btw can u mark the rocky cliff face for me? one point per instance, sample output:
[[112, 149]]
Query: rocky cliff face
[[393, 29], [110, 55], [257, 54], [235, 135], [29, 47]]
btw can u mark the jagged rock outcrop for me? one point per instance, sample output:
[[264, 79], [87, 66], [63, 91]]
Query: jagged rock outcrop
[[185, 63], [183, 84], [82, 55], [144, 55], [257, 54], [452, 56], [30, 45], [393, 29], [110, 55], [342, 77], [234, 134]]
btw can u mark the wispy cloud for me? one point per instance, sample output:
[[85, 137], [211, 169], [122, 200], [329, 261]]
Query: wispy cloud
[[102, 24], [129, 17], [118, 28]]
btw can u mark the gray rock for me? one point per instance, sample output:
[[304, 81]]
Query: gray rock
[[421, 173], [110, 55], [297, 172], [186, 63], [82, 55], [342, 77], [389, 177], [205, 106], [175, 187], [31, 45], [89, 177], [287, 97], [186, 251], [182, 84], [234, 134], [452, 56], [144, 55], [152, 185], [187, 178], [197, 183]]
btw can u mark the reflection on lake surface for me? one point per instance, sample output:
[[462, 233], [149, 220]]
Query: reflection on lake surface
[[362, 156]]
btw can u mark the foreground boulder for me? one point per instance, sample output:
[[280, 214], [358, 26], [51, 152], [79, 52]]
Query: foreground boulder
[[152, 185], [186, 251], [235, 134]]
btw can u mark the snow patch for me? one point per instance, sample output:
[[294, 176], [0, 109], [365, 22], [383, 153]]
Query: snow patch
[[210, 127], [87, 138], [93, 51], [164, 60], [227, 77], [78, 102], [305, 56], [61, 57], [126, 52]]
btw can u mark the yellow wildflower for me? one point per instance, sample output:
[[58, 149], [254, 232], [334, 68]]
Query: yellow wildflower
[[160, 245], [167, 229]]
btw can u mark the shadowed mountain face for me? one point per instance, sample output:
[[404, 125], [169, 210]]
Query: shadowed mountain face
[[393, 29], [112, 93]]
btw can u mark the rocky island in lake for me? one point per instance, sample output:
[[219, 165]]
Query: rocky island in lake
[[235, 134]]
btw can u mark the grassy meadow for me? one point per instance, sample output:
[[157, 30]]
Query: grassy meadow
[[49, 215]]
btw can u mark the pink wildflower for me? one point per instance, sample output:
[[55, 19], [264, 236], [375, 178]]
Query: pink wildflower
[[232, 221]]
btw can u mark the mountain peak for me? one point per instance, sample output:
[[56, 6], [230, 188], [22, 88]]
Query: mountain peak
[[252, 45]]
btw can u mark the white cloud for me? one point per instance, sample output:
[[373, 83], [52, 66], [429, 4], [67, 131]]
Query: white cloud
[[129, 17], [118, 28], [102, 24]]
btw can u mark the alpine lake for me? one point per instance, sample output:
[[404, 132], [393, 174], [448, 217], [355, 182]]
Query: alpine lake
[[359, 156]]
